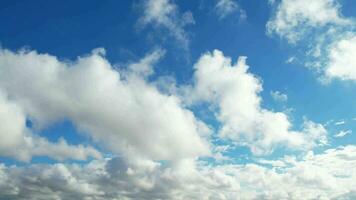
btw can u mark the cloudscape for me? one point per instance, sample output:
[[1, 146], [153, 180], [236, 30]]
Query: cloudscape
[[178, 99]]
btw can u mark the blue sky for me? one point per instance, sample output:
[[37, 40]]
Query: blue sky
[[178, 99]]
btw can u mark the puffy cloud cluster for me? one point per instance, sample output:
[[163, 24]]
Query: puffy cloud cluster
[[320, 24], [119, 110], [293, 18], [329, 175], [159, 141], [116, 179], [235, 94]]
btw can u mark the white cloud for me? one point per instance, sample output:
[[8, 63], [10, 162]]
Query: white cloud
[[19, 142], [341, 122], [291, 59], [273, 163], [293, 18], [328, 175], [235, 93], [319, 28], [127, 114], [117, 179], [342, 133], [144, 68], [279, 96], [342, 59], [316, 134], [227, 7], [108, 105], [120, 110], [165, 14]]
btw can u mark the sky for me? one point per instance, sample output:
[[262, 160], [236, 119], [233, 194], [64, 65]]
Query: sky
[[178, 99]]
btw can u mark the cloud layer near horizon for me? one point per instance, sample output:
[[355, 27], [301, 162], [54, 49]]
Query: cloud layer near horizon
[[328, 175]]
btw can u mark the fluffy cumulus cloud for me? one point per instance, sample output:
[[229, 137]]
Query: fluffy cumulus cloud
[[293, 18], [328, 175], [158, 144], [320, 24], [19, 142], [165, 14], [235, 94], [118, 109]]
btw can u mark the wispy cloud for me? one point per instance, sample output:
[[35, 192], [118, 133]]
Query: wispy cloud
[[279, 96], [225, 8], [342, 133], [165, 14], [341, 122]]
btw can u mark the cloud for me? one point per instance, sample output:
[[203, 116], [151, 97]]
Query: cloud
[[291, 59], [157, 142], [19, 142], [115, 178], [293, 18], [165, 14], [119, 110], [227, 7], [341, 122], [235, 94], [278, 96], [322, 32], [342, 59], [342, 133]]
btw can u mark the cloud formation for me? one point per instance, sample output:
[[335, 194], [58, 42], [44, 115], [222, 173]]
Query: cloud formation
[[342, 133], [328, 175], [342, 59], [164, 140], [165, 14], [225, 8], [294, 18], [279, 96], [157, 155], [118, 110], [321, 31], [21, 143], [235, 93]]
